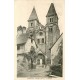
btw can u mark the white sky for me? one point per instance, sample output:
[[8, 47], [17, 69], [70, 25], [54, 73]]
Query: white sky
[[23, 9]]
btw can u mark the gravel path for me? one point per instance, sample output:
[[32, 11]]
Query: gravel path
[[38, 72]]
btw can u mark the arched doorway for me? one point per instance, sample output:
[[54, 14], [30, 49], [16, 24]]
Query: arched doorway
[[40, 59]]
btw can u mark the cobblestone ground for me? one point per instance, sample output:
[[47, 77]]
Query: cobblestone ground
[[38, 72]]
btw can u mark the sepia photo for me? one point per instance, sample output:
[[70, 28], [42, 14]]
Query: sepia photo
[[39, 30]]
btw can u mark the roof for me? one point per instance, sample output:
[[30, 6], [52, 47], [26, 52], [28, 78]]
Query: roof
[[51, 11], [57, 40], [40, 27], [19, 28], [22, 38], [39, 51], [33, 15]]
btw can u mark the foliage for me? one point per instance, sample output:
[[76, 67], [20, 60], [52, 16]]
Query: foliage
[[32, 56], [56, 69]]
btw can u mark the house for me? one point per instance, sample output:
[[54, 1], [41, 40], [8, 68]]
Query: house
[[57, 51]]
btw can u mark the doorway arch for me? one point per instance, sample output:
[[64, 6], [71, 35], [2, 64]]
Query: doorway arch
[[40, 59]]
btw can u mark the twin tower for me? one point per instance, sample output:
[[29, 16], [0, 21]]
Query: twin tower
[[44, 36]]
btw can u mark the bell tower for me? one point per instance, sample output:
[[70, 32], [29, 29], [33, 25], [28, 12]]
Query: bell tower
[[51, 17], [52, 29], [33, 19]]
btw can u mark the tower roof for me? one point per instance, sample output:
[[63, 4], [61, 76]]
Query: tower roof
[[51, 11], [33, 15]]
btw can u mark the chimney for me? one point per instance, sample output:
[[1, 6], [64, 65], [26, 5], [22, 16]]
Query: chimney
[[19, 30], [24, 29]]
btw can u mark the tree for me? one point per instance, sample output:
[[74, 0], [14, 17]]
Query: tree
[[61, 53], [32, 56]]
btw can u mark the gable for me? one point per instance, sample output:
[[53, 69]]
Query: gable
[[29, 44]]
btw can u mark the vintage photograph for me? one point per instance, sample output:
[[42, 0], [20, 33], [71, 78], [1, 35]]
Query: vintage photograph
[[39, 38]]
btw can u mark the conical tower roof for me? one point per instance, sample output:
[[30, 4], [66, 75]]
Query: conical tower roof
[[51, 11], [33, 15]]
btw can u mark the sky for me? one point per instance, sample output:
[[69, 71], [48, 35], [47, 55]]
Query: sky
[[23, 9]]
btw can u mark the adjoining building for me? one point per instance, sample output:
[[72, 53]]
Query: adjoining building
[[57, 51]]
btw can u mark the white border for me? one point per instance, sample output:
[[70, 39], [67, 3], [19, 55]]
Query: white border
[[72, 40]]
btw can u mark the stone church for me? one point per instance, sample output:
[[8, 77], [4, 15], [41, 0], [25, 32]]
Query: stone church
[[43, 36]]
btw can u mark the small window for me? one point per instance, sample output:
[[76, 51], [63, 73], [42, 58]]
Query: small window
[[51, 19], [18, 47], [42, 40], [38, 41], [31, 24], [50, 29]]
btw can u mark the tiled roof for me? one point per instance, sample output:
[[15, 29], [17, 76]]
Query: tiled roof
[[51, 11], [33, 15], [22, 38]]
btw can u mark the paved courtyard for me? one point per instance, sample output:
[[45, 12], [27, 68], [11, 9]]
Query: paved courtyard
[[38, 72]]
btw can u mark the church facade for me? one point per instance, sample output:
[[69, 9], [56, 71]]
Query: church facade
[[44, 36]]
